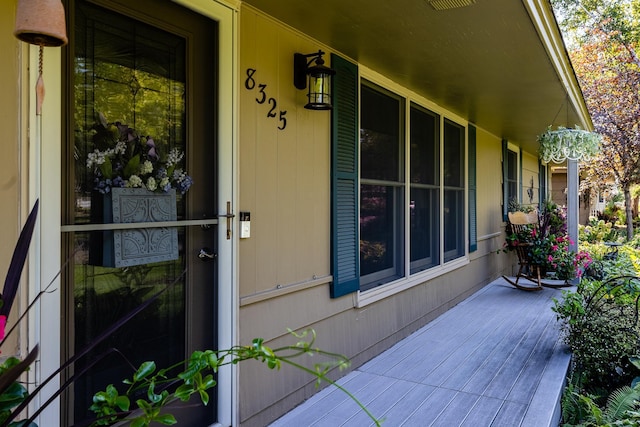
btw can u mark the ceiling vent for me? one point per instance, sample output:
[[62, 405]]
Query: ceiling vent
[[449, 4]]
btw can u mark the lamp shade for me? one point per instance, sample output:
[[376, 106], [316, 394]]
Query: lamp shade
[[41, 22], [319, 88]]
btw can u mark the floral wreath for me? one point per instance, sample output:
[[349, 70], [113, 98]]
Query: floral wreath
[[123, 158]]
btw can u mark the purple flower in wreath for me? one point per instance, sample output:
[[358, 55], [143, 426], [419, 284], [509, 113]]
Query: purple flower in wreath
[[152, 149], [184, 184], [121, 157]]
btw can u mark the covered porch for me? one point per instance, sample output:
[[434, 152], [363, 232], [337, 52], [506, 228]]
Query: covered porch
[[495, 359]]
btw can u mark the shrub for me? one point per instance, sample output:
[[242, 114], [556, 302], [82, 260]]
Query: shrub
[[626, 263], [598, 230], [600, 325], [613, 213]]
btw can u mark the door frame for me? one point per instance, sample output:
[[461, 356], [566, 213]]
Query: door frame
[[44, 141]]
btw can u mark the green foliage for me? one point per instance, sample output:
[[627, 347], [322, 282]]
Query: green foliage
[[620, 402], [515, 206], [556, 145], [108, 404], [196, 379], [613, 213], [619, 16], [625, 263], [546, 243], [571, 308], [585, 410], [605, 59], [598, 230], [600, 324], [553, 218], [161, 387]]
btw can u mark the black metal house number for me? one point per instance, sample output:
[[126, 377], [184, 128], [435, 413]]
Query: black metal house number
[[250, 84]]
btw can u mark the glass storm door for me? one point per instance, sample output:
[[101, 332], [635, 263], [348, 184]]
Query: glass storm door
[[149, 65]]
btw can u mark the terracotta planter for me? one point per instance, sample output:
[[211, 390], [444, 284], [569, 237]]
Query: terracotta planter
[[133, 246]]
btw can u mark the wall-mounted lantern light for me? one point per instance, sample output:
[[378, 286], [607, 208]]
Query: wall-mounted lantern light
[[316, 77]]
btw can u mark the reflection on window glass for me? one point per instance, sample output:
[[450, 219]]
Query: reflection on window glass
[[376, 228], [425, 229], [131, 73], [454, 178], [425, 195], [134, 74], [453, 155], [436, 176], [453, 224], [379, 136], [102, 297], [512, 176], [381, 189]]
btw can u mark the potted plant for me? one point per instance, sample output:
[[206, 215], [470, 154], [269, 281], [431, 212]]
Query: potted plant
[[565, 143], [545, 244], [134, 181], [122, 158]]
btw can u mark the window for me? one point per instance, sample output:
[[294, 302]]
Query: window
[[381, 186], [454, 181], [511, 175], [399, 187], [542, 177], [424, 204]]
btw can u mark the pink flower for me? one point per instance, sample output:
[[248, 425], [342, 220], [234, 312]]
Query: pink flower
[[554, 247], [550, 258], [3, 324]]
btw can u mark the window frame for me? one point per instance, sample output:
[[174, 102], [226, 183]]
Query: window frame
[[460, 192], [508, 148], [366, 296], [396, 270], [432, 190]]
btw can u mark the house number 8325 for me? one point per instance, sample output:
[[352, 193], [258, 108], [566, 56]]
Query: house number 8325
[[262, 98]]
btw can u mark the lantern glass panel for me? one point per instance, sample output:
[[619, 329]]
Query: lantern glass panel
[[319, 91]]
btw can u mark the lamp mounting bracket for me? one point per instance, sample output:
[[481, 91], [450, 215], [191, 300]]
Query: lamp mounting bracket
[[300, 65]]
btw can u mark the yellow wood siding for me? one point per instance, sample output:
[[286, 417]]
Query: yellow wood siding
[[489, 187], [284, 174], [11, 181], [530, 179]]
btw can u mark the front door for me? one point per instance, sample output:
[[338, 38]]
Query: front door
[[141, 114]]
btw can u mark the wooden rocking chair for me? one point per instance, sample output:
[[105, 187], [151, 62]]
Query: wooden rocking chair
[[519, 222]]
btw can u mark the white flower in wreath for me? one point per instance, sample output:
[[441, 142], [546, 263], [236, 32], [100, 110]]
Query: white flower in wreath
[[152, 185], [146, 167], [134, 182]]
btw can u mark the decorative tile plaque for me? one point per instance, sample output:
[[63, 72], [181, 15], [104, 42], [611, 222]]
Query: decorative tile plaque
[[133, 246], [137, 246]]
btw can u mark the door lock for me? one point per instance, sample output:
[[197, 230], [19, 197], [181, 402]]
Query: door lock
[[205, 254]]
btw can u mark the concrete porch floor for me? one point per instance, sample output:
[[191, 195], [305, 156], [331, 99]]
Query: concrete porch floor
[[493, 360]]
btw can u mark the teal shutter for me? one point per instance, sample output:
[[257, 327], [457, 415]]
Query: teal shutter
[[473, 223], [345, 236], [505, 183], [521, 179]]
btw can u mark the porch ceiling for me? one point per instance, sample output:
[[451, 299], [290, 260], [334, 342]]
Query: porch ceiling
[[485, 62]]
